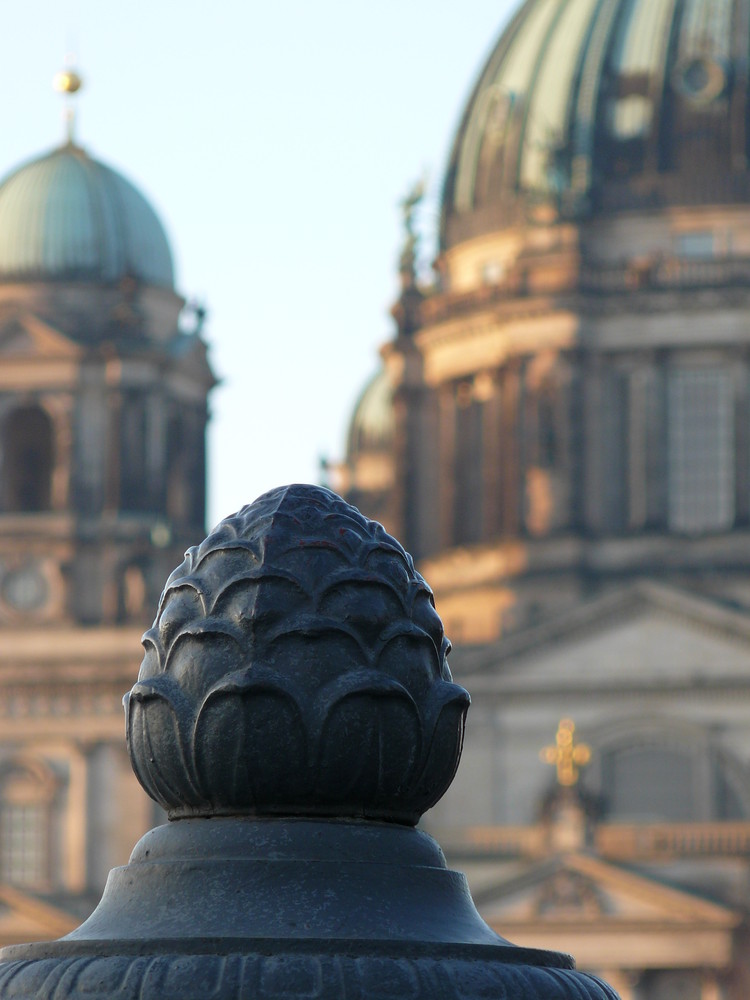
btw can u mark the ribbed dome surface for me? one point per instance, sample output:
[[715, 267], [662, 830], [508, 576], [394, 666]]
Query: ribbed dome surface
[[371, 427], [607, 105], [68, 216]]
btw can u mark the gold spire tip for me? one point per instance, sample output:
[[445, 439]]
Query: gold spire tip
[[67, 81]]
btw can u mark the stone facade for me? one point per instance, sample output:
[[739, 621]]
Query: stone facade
[[102, 484], [568, 461]]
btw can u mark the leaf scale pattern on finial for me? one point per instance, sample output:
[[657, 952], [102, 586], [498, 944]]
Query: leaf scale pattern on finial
[[296, 666]]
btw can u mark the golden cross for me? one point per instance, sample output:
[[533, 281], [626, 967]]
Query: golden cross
[[566, 755]]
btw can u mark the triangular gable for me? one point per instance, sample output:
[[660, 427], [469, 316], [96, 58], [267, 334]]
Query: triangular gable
[[15, 340], [587, 889], [608, 918], [26, 918], [26, 335], [639, 634]]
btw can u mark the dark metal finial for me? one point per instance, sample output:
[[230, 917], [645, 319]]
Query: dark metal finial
[[296, 666]]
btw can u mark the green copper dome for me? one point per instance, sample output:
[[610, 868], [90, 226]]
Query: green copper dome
[[68, 216], [372, 424], [604, 105]]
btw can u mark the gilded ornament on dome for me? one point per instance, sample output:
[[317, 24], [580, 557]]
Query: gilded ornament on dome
[[67, 81]]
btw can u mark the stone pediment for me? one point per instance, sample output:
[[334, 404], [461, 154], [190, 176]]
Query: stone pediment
[[27, 918], [585, 889], [647, 635], [606, 915], [26, 336]]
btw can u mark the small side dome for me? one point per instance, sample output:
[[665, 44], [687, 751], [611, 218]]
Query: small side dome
[[372, 425], [66, 216]]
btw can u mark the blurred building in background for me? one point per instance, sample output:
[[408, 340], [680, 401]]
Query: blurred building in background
[[560, 434], [103, 388]]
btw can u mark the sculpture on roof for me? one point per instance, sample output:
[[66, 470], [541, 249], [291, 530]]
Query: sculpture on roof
[[409, 204]]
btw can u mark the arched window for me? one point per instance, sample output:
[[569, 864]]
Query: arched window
[[26, 793], [27, 460]]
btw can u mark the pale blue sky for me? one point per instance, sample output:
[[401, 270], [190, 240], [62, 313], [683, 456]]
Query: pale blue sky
[[275, 141]]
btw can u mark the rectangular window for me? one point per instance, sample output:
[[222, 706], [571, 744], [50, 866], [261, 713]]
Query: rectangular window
[[650, 785], [701, 450], [23, 844], [697, 245]]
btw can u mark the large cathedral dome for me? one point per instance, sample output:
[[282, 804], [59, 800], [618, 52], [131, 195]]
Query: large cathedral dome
[[570, 397], [66, 216], [587, 106]]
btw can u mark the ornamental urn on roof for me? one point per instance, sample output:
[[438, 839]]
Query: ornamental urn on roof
[[295, 715]]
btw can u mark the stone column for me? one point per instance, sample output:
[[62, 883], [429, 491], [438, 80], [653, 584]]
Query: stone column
[[510, 455], [60, 408], [710, 988], [446, 463], [657, 486], [488, 392], [592, 443], [426, 483], [741, 385]]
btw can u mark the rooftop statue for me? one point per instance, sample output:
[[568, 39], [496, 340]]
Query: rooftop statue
[[295, 716], [409, 205]]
